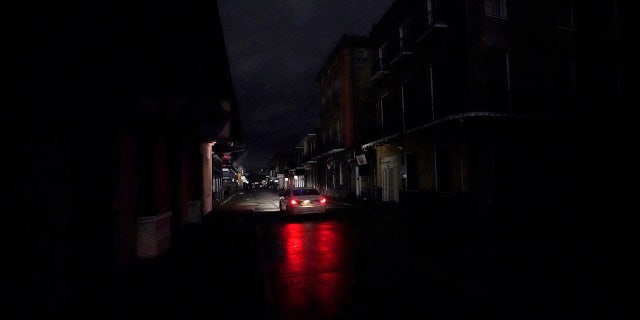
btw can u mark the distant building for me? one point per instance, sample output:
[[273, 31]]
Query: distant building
[[347, 116]]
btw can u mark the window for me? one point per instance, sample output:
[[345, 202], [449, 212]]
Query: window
[[573, 79], [336, 86], [403, 30], [383, 97], [502, 178], [568, 84], [431, 93], [403, 34], [463, 186], [608, 83], [416, 100], [443, 170], [382, 56], [608, 16], [496, 8], [391, 113], [430, 19], [499, 79], [361, 53], [381, 51], [412, 170], [564, 14]]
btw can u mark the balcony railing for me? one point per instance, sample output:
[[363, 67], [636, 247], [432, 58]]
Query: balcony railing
[[402, 50], [379, 69], [426, 25]]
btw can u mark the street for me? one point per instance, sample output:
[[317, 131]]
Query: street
[[248, 261], [357, 263], [346, 264]]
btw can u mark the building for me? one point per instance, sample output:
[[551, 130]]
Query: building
[[305, 173], [493, 106], [115, 117], [347, 117]]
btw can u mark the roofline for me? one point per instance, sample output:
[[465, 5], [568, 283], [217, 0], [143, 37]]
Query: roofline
[[345, 41]]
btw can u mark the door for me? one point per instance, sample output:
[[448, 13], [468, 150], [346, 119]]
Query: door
[[390, 180]]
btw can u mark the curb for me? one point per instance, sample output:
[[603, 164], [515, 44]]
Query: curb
[[227, 199]]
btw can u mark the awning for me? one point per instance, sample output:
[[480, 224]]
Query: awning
[[380, 141], [328, 153], [462, 116]]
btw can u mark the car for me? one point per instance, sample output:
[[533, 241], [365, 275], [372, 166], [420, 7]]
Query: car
[[302, 200]]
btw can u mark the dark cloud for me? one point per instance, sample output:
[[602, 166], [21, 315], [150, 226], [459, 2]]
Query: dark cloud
[[276, 49]]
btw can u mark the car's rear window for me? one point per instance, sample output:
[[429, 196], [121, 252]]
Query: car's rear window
[[305, 192]]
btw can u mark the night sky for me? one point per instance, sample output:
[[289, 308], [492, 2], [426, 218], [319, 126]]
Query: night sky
[[276, 49]]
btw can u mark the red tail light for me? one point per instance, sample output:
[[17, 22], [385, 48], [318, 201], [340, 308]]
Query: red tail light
[[323, 200], [293, 202]]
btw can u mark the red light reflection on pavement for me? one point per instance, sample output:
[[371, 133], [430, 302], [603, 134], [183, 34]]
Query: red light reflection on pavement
[[313, 283]]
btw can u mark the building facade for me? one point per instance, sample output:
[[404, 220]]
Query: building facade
[[116, 113], [347, 117], [485, 105]]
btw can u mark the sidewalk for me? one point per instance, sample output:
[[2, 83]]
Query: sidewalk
[[383, 206], [210, 269]]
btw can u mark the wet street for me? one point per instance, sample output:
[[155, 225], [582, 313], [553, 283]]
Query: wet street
[[359, 263], [247, 261], [347, 264]]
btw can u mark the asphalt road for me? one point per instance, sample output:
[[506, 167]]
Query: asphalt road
[[245, 261]]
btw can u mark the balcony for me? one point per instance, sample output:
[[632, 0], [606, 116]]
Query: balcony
[[403, 51], [379, 69], [427, 25]]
